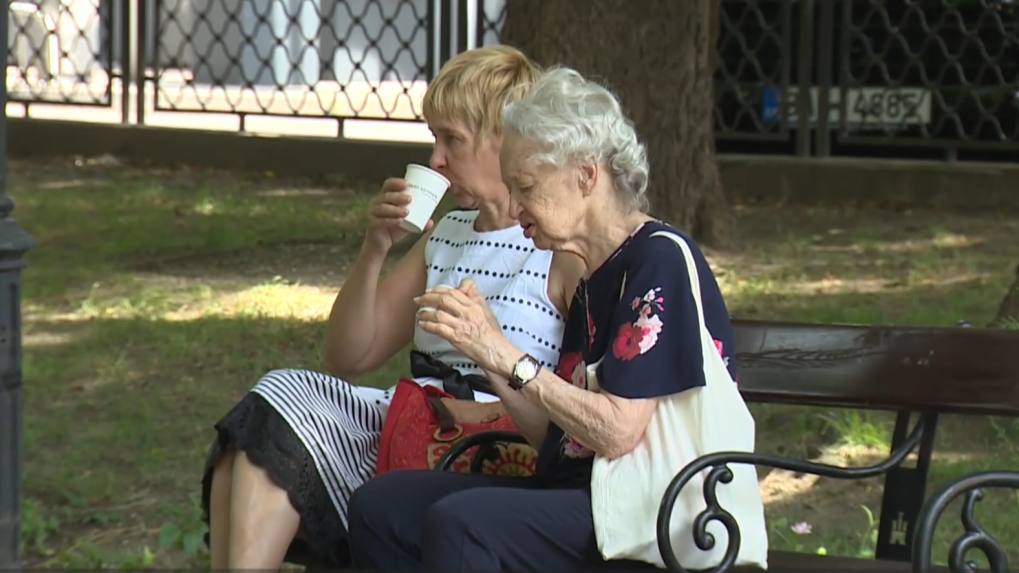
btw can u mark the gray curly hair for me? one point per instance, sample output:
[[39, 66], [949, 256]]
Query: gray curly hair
[[575, 119]]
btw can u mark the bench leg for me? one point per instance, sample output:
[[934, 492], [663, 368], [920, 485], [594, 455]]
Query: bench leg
[[904, 492], [975, 537]]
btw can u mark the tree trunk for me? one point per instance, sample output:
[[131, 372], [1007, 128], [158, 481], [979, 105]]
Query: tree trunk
[[658, 57], [1008, 311]]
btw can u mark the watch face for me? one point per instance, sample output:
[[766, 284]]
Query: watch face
[[525, 370]]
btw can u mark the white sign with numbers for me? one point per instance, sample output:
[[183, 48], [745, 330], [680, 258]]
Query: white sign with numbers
[[867, 108]]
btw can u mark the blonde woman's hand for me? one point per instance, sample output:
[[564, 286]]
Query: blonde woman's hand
[[385, 213]]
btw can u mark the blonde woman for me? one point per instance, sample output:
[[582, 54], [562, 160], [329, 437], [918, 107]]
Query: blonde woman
[[289, 455]]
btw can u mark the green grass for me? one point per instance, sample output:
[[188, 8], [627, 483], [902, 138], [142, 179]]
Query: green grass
[[158, 297]]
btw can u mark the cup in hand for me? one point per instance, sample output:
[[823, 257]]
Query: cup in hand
[[426, 188], [438, 288]]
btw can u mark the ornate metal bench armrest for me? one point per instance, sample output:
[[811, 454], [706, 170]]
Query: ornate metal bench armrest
[[975, 537], [720, 472], [485, 440]]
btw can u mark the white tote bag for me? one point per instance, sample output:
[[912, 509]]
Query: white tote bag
[[626, 492]]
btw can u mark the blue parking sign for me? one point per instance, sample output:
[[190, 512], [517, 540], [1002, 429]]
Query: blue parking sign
[[771, 96]]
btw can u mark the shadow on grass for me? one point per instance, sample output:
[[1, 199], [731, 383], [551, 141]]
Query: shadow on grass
[[121, 405], [844, 514], [923, 304]]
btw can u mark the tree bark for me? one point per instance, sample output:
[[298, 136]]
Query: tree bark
[[658, 57]]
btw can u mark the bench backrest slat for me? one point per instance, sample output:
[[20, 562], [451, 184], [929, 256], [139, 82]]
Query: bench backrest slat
[[952, 370]]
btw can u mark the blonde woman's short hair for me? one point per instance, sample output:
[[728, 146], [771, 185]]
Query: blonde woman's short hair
[[474, 86]]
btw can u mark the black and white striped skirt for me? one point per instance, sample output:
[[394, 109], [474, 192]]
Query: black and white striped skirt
[[317, 437]]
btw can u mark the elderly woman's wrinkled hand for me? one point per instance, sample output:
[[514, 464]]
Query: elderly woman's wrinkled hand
[[461, 316]]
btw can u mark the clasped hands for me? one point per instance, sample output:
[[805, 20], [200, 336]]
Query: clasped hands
[[461, 316]]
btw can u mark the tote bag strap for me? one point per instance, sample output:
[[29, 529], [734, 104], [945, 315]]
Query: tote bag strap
[[691, 271]]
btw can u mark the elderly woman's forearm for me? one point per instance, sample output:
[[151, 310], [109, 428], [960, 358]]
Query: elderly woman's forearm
[[588, 417], [611, 427], [528, 417]]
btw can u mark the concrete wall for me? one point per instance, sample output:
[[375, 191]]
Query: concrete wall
[[748, 178]]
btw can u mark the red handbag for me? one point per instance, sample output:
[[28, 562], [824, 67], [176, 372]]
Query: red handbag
[[420, 428]]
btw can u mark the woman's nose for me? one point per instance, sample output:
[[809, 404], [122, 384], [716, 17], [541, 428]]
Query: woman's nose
[[438, 159], [515, 208]]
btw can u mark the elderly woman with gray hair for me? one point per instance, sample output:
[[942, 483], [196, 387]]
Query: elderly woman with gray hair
[[578, 175]]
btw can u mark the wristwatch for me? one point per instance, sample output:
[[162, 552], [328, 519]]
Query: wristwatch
[[525, 370]]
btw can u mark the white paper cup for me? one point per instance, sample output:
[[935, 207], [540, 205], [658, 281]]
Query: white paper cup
[[428, 308], [426, 188]]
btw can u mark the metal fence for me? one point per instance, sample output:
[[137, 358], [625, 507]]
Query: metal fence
[[895, 76]]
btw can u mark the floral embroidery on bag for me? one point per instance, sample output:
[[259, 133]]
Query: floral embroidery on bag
[[637, 338]]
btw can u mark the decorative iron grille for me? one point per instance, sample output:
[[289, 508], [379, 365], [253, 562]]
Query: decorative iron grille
[[491, 15], [753, 52], [913, 73], [319, 58], [923, 72], [60, 52]]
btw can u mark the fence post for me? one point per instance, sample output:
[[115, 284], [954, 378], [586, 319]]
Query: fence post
[[445, 33], [805, 77], [137, 28], [826, 45], [14, 242], [123, 34]]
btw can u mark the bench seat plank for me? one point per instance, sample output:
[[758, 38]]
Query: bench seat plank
[[948, 370]]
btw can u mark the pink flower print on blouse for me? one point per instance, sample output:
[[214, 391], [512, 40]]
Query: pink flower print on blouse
[[573, 369], [637, 338], [573, 449], [725, 359], [719, 348]]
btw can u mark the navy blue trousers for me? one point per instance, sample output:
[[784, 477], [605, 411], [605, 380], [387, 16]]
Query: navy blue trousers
[[445, 522]]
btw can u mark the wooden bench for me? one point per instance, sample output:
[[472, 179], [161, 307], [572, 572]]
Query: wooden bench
[[918, 372]]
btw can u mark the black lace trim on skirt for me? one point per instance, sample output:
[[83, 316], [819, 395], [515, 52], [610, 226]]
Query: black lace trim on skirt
[[256, 428]]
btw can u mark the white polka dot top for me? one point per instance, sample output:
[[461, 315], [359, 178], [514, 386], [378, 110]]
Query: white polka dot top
[[509, 271]]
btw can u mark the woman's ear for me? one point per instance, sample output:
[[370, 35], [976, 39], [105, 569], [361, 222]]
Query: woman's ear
[[587, 176]]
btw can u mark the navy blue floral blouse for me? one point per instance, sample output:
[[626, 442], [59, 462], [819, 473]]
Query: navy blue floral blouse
[[647, 337]]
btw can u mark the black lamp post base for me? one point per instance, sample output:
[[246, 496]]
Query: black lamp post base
[[14, 242]]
